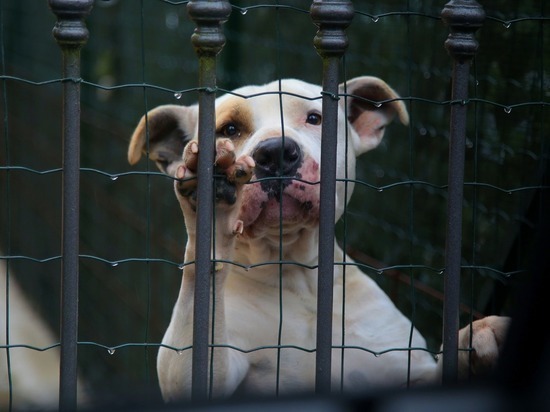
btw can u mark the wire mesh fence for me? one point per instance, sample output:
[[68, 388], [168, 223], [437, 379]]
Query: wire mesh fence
[[131, 232]]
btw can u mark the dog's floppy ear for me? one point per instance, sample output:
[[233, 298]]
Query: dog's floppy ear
[[170, 127], [367, 117]]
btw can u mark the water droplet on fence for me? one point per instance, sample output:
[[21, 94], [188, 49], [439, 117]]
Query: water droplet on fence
[[113, 178], [111, 351], [177, 95], [114, 264], [375, 19], [244, 11], [436, 357], [376, 355], [180, 266], [377, 105], [379, 190], [507, 110], [507, 24], [179, 352]]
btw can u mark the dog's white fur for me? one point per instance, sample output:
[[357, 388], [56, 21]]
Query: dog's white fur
[[256, 297]]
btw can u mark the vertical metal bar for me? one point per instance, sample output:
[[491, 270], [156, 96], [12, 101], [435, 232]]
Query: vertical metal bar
[[332, 18], [71, 34], [463, 17], [208, 41], [6, 195]]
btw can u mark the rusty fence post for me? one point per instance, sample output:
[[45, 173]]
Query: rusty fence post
[[332, 18], [464, 18], [71, 34], [208, 40]]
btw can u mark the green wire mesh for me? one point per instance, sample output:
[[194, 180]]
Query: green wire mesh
[[132, 234]]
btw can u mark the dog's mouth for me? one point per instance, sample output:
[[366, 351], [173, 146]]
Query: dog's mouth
[[287, 203], [284, 192], [284, 209]]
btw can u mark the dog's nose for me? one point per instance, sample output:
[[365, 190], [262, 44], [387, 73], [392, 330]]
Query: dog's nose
[[277, 156]]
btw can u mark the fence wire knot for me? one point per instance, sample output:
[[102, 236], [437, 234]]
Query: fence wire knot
[[210, 90], [76, 80], [333, 96], [461, 102]]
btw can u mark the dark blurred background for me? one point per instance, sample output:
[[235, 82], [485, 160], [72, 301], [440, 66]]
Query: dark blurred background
[[396, 231]]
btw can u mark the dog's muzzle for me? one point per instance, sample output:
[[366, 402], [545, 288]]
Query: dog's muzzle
[[277, 159], [283, 191]]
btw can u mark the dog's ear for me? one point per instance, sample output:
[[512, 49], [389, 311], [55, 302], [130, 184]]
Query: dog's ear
[[168, 128], [367, 117]]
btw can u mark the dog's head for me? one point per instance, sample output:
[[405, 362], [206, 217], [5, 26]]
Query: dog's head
[[279, 125]]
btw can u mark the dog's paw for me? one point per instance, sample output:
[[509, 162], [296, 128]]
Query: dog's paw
[[238, 171], [488, 336], [230, 172]]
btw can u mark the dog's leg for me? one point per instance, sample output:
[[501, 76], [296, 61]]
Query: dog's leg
[[229, 366]]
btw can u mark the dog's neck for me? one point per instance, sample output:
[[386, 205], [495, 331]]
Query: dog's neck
[[295, 259], [297, 246]]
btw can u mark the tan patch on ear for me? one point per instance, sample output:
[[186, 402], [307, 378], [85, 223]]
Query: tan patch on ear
[[235, 111], [169, 128], [159, 122], [137, 142]]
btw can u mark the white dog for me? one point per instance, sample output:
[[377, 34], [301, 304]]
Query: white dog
[[261, 304]]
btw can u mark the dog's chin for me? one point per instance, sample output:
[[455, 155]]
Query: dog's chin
[[287, 211], [281, 215]]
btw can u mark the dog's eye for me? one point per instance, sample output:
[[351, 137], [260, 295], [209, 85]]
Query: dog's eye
[[314, 119], [230, 130]]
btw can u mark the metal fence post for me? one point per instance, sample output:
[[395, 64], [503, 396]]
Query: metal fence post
[[463, 17], [71, 34], [208, 40], [332, 18]]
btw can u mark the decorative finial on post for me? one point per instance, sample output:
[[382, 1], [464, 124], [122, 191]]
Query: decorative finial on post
[[332, 18], [208, 37], [70, 29], [464, 18]]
